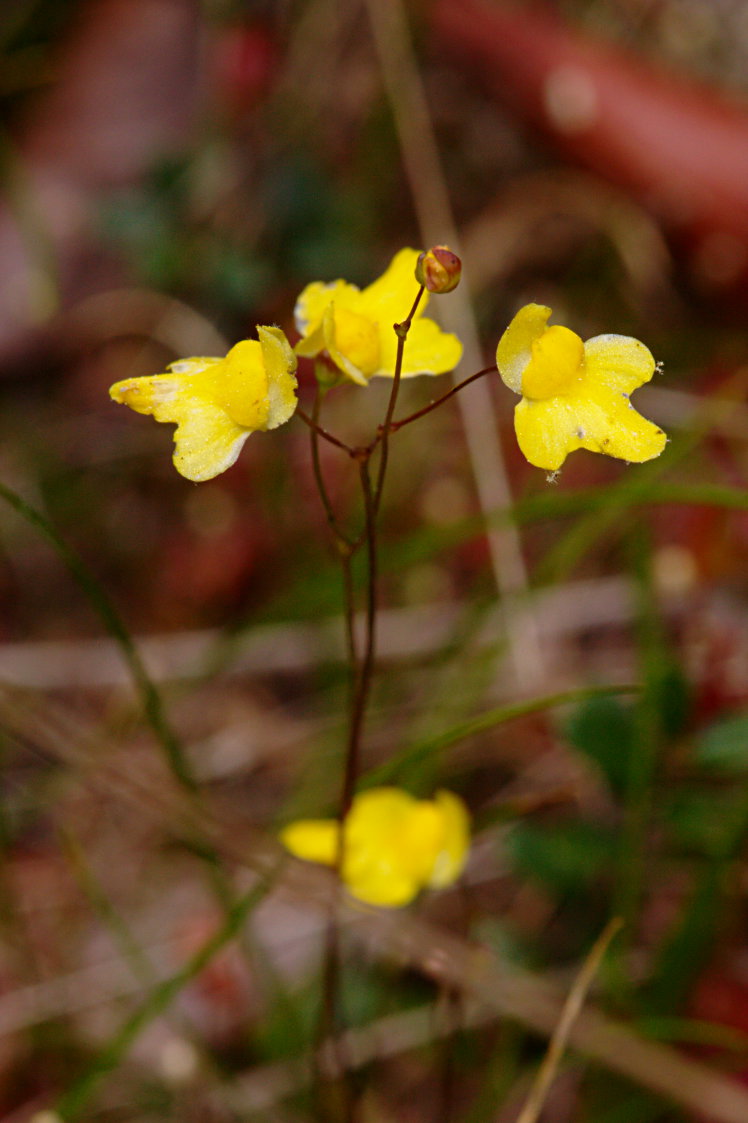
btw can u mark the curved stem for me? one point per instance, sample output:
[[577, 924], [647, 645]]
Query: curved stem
[[320, 432], [399, 424], [316, 431]]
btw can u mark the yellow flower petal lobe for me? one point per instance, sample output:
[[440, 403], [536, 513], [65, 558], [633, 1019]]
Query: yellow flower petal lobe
[[206, 440], [357, 338], [240, 387], [378, 866], [618, 361], [428, 350], [316, 297], [556, 364], [280, 367], [391, 296], [314, 840], [514, 350], [454, 845], [547, 431]]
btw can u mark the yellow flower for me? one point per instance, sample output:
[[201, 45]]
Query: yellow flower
[[394, 845], [354, 327], [217, 403], [575, 394]]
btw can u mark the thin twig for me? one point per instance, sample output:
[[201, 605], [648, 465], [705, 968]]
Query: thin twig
[[569, 1014], [399, 424], [366, 668], [323, 432], [342, 541]]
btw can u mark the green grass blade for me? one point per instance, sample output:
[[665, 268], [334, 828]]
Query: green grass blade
[[73, 1100], [412, 755], [114, 625]]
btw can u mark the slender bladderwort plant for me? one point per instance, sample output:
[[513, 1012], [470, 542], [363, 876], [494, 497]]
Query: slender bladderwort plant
[[384, 845]]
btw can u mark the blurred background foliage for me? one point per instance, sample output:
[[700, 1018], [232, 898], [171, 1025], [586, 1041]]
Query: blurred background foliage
[[174, 173]]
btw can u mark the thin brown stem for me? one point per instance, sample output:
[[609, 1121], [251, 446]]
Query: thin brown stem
[[320, 432], [362, 683], [343, 1099], [342, 541], [361, 660], [401, 422], [337, 1094], [333, 1064], [350, 615]]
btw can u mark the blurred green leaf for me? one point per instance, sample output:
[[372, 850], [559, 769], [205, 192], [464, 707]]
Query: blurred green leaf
[[672, 695], [568, 857], [702, 821], [723, 747], [604, 730]]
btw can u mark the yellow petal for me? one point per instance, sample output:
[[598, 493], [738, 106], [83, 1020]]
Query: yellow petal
[[377, 882], [316, 297], [547, 431], [338, 356], [314, 343], [556, 364], [633, 437], [376, 813], [420, 840], [256, 383], [207, 440], [239, 386], [280, 368], [515, 346], [455, 841], [618, 361], [428, 350], [378, 867], [314, 840], [354, 345], [324, 339], [144, 395], [389, 299]]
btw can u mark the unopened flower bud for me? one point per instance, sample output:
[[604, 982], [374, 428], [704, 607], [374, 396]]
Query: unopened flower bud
[[438, 269]]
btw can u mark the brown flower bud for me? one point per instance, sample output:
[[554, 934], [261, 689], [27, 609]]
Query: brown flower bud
[[438, 269]]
